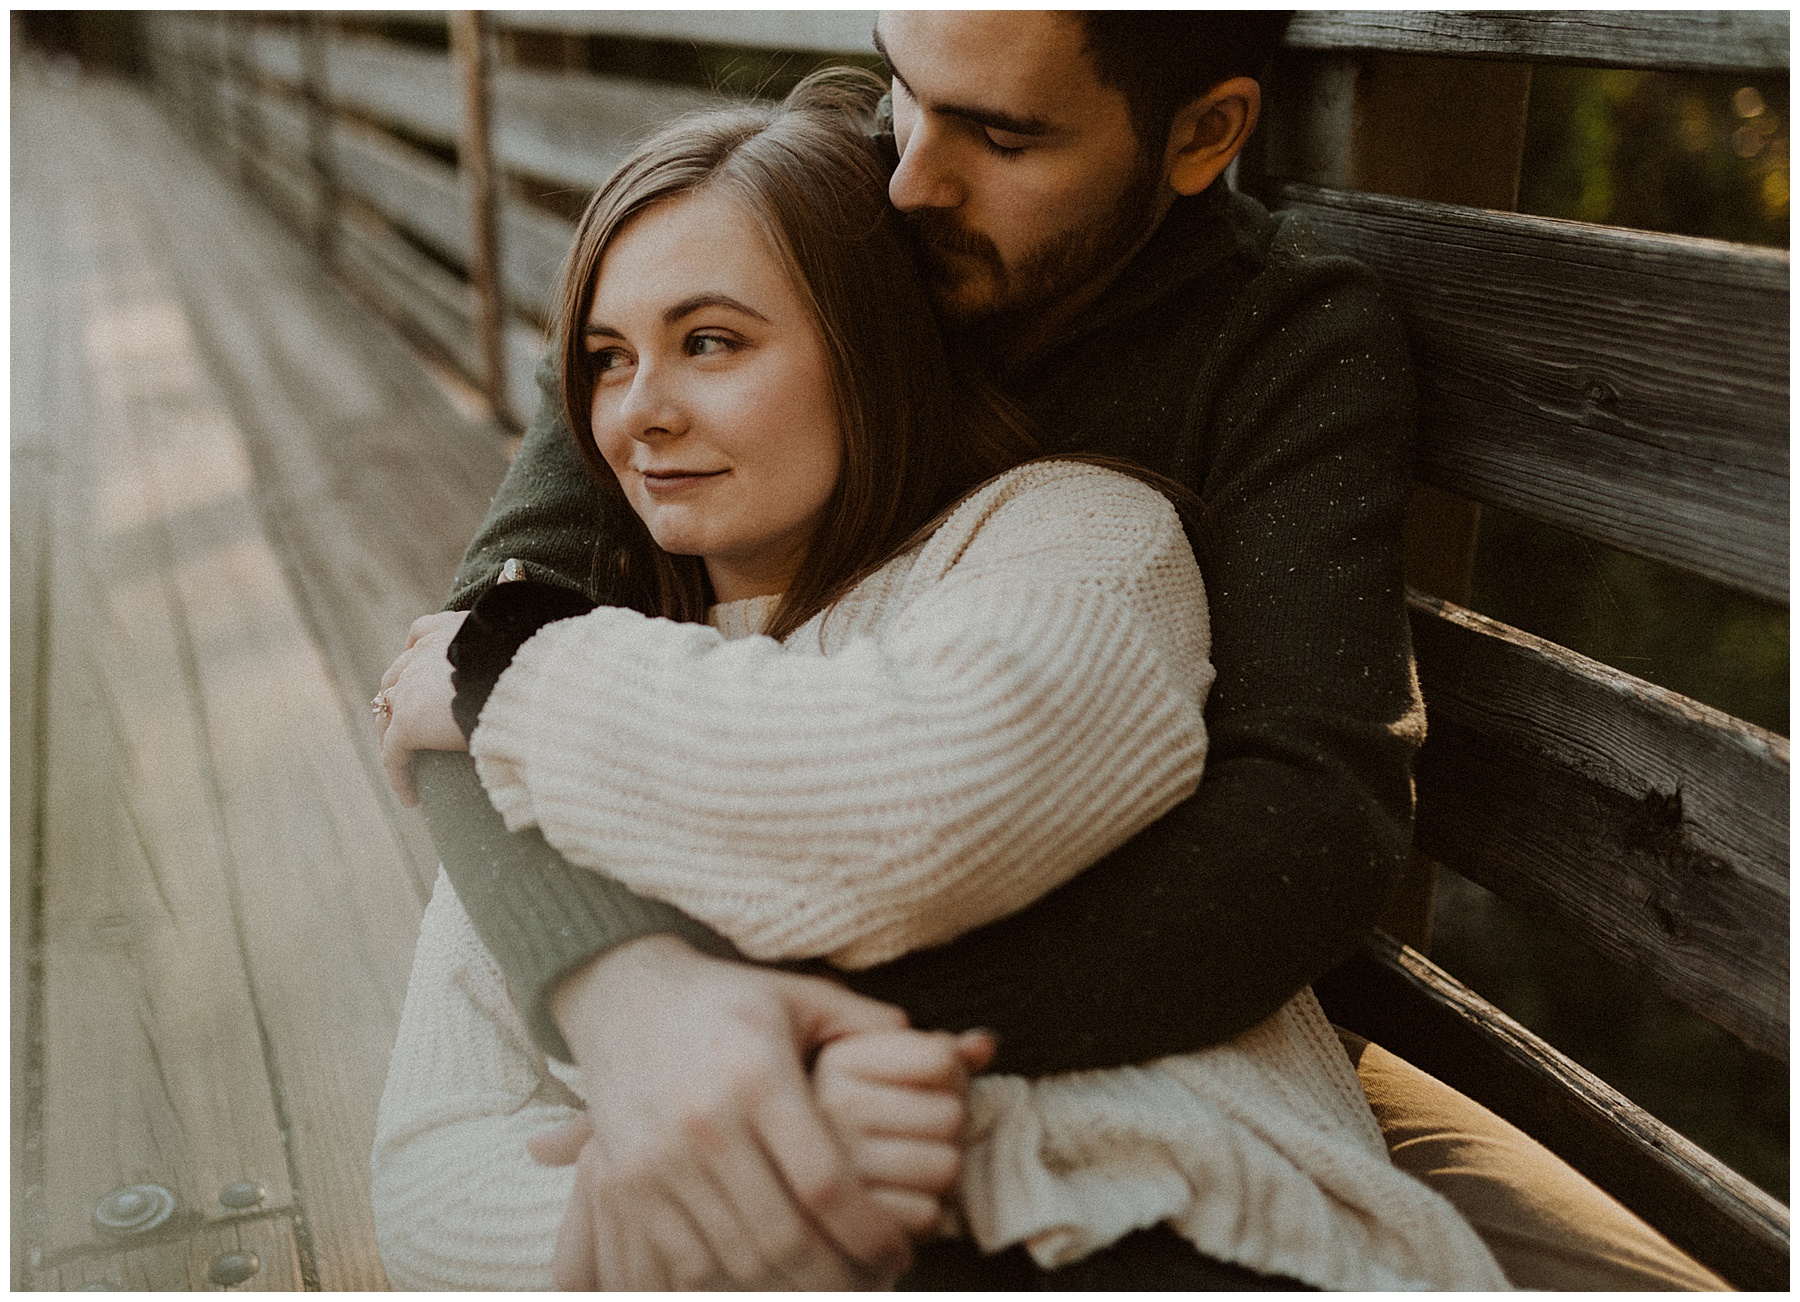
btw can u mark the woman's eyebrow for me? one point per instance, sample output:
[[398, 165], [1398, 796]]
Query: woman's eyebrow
[[697, 302]]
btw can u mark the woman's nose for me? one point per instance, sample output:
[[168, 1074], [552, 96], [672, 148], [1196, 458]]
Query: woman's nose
[[925, 177], [651, 409]]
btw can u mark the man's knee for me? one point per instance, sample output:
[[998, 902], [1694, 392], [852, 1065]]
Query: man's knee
[[1547, 1225]]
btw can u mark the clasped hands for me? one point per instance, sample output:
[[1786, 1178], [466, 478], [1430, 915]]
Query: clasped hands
[[746, 1127], [712, 1158]]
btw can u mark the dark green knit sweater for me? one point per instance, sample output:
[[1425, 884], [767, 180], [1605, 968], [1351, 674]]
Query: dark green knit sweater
[[1238, 356]]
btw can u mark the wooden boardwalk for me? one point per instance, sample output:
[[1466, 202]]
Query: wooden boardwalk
[[231, 490]]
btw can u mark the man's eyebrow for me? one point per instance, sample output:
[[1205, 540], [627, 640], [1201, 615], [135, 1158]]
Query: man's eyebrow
[[999, 121]]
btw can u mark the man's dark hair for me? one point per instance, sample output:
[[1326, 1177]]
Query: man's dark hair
[[1161, 59]]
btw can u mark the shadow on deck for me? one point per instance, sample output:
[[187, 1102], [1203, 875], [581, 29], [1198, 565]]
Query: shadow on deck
[[232, 488]]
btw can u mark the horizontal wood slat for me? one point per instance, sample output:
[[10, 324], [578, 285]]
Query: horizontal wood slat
[[1649, 826], [1627, 386], [568, 127], [830, 31], [1408, 1005], [1699, 40]]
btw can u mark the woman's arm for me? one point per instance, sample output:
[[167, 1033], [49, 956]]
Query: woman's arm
[[1036, 701], [458, 1202]]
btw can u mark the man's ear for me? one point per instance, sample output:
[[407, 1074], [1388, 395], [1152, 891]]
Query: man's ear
[[1208, 132]]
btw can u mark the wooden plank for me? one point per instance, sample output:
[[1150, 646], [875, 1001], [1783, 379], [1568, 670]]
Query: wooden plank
[[1626, 386], [182, 1262], [152, 1061], [830, 31], [572, 128], [326, 902], [409, 188], [1398, 998], [1695, 40], [575, 128], [481, 184], [1650, 826], [426, 301]]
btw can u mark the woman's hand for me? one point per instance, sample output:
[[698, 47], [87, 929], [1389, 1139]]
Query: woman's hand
[[709, 1164], [412, 710], [898, 1101]]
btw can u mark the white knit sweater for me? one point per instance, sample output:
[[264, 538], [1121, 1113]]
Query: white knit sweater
[[974, 724]]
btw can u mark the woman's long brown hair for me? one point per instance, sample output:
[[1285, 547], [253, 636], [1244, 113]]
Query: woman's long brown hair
[[919, 434], [916, 435]]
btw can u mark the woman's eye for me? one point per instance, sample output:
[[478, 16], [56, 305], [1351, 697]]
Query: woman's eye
[[607, 359], [711, 345]]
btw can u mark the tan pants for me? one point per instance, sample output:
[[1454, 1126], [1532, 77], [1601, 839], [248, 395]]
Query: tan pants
[[1547, 1225]]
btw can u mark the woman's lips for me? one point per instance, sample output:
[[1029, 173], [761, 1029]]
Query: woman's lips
[[673, 481]]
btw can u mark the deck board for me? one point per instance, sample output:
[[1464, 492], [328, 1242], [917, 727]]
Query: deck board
[[235, 490]]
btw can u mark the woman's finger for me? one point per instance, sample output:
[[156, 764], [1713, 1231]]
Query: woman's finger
[[918, 1214], [818, 1173], [902, 1057], [872, 1109], [562, 1145], [396, 762], [923, 1165]]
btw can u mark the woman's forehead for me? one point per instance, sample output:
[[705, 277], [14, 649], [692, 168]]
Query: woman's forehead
[[698, 243]]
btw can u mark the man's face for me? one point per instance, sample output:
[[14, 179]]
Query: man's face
[[1019, 168]]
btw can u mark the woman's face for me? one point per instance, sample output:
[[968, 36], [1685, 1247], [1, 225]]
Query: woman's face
[[712, 398]]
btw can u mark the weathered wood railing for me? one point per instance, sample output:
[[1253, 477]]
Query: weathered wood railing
[[1628, 387]]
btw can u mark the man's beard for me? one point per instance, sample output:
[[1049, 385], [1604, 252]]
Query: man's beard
[[991, 293]]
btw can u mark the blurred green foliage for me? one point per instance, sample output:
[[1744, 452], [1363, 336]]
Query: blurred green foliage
[[1689, 155], [1686, 155]]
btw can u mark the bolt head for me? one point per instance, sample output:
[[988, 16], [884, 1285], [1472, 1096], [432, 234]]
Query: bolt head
[[233, 1268], [134, 1209], [241, 1194]]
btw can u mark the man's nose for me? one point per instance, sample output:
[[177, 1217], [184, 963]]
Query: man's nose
[[926, 176]]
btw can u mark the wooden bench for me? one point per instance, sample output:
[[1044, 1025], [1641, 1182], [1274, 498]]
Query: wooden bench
[[1627, 387]]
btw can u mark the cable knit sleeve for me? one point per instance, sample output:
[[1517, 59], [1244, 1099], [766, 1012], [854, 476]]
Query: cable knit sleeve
[[1027, 696]]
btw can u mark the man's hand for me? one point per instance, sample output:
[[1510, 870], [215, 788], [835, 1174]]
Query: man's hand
[[709, 1165], [899, 1101], [417, 693]]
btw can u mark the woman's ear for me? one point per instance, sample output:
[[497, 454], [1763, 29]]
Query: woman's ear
[[1208, 132]]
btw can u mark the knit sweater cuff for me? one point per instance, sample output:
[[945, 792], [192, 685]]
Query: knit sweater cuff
[[540, 916], [502, 621]]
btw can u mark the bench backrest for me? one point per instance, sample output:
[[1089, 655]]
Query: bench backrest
[[1629, 387]]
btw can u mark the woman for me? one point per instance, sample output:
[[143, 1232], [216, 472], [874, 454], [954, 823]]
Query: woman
[[935, 678]]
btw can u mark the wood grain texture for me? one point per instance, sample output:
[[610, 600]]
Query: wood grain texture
[[832, 31], [1398, 998], [324, 901], [563, 127], [1706, 40], [179, 1262], [152, 1065], [206, 729], [1626, 386], [1650, 826]]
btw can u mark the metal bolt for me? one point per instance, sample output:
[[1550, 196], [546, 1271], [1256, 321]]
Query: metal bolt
[[135, 1209], [233, 1268], [242, 1194]]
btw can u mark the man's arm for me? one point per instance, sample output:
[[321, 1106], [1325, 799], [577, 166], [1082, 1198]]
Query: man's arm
[[1272, 872], [1209, 920]]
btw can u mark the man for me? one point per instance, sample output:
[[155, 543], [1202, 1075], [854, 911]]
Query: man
[[1065, 174]]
